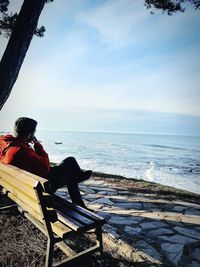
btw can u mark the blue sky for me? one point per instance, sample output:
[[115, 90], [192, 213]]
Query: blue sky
[[110, 66]]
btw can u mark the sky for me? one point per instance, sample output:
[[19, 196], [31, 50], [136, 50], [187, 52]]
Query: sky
[[110, 65]]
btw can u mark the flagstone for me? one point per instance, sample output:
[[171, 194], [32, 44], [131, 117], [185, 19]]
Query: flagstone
[[150, 206], [152, 225], [191, 211], [105, 215], [160, 231], [178, 208], [124, 220], [196, 254], [110, 193], [179, 239], [148, 250], [188, 232], [104, 201], [94, 182], [194, 264], [87, 190], [173, 252], [118, 200], [132, 230], [152, 222], [92, 197], [129, 205]]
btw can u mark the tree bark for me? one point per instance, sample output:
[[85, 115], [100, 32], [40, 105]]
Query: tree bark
[[18, 45]]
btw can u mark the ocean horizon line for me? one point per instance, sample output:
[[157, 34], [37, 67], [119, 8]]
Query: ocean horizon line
[[106, 132]]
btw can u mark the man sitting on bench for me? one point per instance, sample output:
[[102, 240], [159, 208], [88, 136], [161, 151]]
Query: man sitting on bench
[[16, 150]]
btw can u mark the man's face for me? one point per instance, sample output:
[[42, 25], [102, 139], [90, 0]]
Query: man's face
[[30, 136]]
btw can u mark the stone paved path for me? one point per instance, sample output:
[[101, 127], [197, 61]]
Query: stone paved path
[[146, 227]]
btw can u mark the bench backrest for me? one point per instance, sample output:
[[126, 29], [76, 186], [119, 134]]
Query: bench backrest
[[21, 185]]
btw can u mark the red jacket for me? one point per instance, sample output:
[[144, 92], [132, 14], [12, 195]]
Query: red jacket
[[18, 153]]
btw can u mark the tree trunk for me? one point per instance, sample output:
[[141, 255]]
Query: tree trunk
[[17, 47]]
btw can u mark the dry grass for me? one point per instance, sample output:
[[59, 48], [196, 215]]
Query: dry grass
[[20, 243]]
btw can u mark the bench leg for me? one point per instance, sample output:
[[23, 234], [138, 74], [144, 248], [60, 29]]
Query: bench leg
[[49, 254], [99, 238]]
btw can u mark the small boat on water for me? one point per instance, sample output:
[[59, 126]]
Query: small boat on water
[[58, 143]]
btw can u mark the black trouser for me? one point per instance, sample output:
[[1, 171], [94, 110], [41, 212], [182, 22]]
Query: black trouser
[[67, 173]]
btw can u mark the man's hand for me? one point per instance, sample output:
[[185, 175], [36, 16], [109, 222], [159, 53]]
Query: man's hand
[[34, 140]]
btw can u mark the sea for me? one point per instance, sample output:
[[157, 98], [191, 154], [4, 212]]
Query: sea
[[172, 160]]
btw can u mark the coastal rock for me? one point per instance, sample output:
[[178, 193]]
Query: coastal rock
[[173, 252], [188, 232], [152, 225], [179, 239]]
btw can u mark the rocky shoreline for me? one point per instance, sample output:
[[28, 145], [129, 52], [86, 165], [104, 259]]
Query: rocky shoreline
[[146, 222]]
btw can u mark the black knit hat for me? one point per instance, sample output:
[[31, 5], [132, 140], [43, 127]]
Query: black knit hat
[[24, 126]]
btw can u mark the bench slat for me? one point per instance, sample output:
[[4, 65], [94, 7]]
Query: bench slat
[[13, 182], [76, 226], [26, 177], [88, 214], [20, 195], [58, 227], [76, 216]]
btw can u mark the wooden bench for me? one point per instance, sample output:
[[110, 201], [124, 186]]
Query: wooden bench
[[57, 218]]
